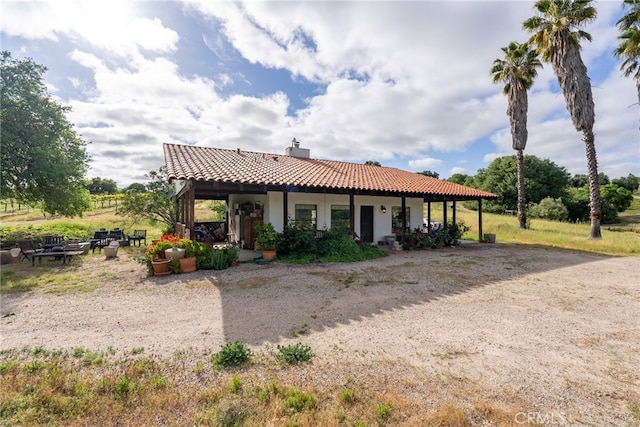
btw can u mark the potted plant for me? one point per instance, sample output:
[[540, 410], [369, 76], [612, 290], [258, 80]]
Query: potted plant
[[232, 254], [155, 259], [191, 249], [267, 239], [427, 241], [440, 238]]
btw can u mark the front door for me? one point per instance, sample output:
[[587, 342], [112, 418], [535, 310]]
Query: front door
[[366, 223]]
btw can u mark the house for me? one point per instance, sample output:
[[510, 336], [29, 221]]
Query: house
[[372, 201]]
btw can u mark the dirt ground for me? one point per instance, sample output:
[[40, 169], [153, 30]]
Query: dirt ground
[[553, 335]]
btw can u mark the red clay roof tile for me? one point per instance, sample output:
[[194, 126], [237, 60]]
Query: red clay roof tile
[[186, 162]]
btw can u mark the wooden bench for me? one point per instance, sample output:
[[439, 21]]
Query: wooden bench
[[55, 255]]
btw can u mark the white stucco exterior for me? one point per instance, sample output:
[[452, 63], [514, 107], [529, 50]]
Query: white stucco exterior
[[272, 209]]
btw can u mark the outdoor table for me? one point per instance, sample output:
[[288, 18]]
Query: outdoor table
[[58, 254]]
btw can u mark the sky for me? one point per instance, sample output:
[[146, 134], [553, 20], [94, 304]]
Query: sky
[[404, 83]]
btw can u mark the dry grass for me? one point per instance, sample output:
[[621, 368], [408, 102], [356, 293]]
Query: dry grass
[[79, 387]]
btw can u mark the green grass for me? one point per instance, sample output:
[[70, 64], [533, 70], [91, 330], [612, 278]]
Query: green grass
[[553, 234]]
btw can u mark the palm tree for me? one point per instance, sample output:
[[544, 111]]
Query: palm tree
[[629, 49], [517, 70], [557, 37]]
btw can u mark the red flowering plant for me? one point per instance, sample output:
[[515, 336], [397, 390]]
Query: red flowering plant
[[155, 251]]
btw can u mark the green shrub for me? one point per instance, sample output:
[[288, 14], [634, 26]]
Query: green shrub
[[231, 354], [212, 259], [339, 247], [296, 353], [549, 208], [297, 239]]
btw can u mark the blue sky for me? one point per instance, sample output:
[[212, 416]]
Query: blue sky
[[403, 83]]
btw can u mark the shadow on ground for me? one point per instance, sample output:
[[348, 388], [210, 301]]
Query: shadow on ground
[[327, 295]]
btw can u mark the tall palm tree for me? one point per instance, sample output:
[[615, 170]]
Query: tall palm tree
[[629, 49], [517, 71], [557, 37]]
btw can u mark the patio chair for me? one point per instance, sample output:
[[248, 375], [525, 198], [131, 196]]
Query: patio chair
[[50, 242], [116, 234], [111, 251], [28, 248], [138, 236]]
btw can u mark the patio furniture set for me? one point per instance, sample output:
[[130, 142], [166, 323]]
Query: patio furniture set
[[57, 247], [51, 248]]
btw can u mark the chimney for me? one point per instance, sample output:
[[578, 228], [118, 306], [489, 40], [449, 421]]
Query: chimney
[[296, 151]]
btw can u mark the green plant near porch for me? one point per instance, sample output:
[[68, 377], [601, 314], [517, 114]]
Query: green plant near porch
[[267, 237]]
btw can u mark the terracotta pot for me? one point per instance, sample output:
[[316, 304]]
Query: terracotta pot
[[188, 265], [161, 267], [268, 254]]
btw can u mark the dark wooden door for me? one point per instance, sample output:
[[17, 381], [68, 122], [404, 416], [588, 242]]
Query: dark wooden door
[[366, 223]]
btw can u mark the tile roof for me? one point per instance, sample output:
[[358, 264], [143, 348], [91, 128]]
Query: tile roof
[[186, 162]]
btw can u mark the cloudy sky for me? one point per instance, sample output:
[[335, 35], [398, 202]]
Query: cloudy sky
[[403, 83]]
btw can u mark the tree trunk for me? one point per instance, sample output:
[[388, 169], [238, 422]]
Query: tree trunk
[[638, 86], [595, 201], [522, 215]]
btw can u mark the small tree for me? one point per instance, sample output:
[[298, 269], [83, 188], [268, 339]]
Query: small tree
[[432, 174], [156, 203], [618, 197], [99, 185]]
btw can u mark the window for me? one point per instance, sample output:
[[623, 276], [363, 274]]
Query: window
[[340, 216], [306, 215], [396, 217]]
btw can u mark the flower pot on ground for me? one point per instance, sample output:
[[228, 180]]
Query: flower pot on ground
[[490, 237], [160, 267], [188, 265], [268, 254], [267, 238]]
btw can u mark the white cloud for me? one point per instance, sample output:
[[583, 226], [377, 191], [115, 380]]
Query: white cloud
[[457, 169], [425, 163]]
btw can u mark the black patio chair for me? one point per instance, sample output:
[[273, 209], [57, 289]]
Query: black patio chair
[[116, 234], [138, 236]]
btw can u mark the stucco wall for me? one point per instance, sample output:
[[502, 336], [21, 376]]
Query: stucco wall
[[273, 213]]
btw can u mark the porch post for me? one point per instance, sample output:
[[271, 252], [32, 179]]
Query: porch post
[[404, 215], [479, 219], [444, 212], [352, 214], [191, 206], [285, 208], [454, 212]]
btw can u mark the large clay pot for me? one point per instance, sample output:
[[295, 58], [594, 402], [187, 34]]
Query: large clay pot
[[268, 254], [188, 265], [161, 267]]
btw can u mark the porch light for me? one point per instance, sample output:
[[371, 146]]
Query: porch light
[[383, 209]]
